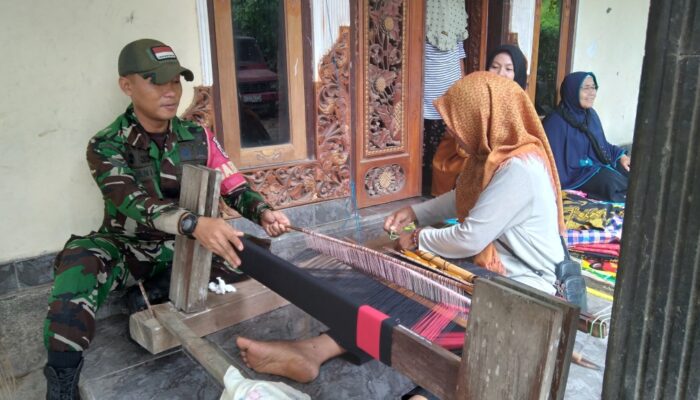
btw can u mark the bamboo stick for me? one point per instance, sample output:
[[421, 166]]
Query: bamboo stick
[[446, 265]]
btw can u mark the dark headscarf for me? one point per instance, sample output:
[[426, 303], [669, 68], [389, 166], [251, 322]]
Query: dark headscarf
[[519, 62], [576, 136]]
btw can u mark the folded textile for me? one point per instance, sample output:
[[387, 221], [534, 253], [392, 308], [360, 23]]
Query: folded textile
[[610, 249], [583, 214], [590, 236]]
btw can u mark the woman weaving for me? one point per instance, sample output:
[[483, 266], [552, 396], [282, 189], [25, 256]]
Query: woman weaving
[[506, 191]]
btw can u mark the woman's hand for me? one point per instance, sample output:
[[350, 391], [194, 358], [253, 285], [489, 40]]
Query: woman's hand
[[408, 240], [274, 223], [625, 162], [399, 219], [219, 237]]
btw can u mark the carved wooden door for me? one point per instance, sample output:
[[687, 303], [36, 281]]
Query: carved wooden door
[[388, 92]]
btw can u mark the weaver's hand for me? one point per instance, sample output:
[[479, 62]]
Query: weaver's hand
[[219, 237], [625, 162], [275, 223], [406, 241], [399, 219]]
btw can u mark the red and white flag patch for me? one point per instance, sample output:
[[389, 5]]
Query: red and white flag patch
[[163, 53]]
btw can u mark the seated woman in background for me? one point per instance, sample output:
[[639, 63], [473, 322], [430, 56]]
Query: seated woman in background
[[585, 160], [507, 61]]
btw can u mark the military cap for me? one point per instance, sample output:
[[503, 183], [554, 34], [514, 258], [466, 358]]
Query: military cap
[[151, 58]]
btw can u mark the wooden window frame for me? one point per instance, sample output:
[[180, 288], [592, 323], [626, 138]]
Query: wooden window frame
[[567, 29], [297, 24]]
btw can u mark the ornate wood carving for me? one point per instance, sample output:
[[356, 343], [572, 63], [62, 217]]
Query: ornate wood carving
[[201, 110], [329, 176], [388, 96], [385, 40], [475, 43], [384, 180]]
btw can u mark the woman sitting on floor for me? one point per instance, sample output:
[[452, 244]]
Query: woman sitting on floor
[[585, 160], [507, 195], [507, 61]]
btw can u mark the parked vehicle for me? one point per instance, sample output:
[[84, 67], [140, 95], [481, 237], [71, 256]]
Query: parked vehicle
[[257, 84]]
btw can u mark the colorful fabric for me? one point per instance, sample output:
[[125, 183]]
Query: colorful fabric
[[583, 214], [85, 271], [493, 120], [574, 153], [606, 249], [590, 236]]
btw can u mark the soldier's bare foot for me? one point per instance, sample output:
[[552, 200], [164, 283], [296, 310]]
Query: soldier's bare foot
[[297, 360]]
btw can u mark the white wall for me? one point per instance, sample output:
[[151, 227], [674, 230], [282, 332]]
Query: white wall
[[609, 41], [59, 80], [327, 18]]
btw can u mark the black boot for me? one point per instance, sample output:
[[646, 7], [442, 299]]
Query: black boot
[[62, 383], [157, 288]]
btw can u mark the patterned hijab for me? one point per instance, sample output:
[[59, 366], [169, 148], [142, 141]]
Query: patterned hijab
[[492, 120]]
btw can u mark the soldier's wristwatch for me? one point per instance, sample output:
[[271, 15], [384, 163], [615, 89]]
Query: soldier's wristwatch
[[188, 223]]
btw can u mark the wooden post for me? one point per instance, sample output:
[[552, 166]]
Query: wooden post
[[567, 336], [511, 346], [199, 193]]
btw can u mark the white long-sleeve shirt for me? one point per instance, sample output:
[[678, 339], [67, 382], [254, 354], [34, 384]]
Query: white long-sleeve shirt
[[518, 207]]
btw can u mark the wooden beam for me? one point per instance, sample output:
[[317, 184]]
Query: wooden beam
[[199, 193], [424, 362], [215, 361], [250, 300]]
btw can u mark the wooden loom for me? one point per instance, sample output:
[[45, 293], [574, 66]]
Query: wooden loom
[[516, 334]]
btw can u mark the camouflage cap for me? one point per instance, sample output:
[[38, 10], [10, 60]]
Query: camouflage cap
[[151, 58]]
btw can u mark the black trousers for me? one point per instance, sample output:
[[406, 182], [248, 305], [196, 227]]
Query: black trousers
[[608, 184], [433, 131]]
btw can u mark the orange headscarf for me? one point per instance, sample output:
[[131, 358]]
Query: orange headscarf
[[492, 120]]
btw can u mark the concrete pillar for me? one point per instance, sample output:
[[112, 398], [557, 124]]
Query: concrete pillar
[[654, 346]]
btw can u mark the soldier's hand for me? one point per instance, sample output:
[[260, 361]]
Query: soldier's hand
[[219, 237], [399, 219], [275, 223]]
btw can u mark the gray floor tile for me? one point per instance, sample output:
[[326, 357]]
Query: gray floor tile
[[174, 376]]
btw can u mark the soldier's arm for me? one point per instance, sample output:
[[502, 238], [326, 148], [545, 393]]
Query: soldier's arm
[[249, 203], [123, 194], [235, 191]]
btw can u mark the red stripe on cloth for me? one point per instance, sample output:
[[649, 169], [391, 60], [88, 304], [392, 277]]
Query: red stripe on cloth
[[451, 340], [369, 328], [160, 49]]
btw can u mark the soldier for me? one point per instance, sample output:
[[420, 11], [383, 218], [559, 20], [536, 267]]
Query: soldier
[[137, 162]]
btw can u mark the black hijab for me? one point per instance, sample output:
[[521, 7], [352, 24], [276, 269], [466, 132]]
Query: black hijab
[[519, 62]]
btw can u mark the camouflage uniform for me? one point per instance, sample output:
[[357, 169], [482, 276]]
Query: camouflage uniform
[[140, 184]]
